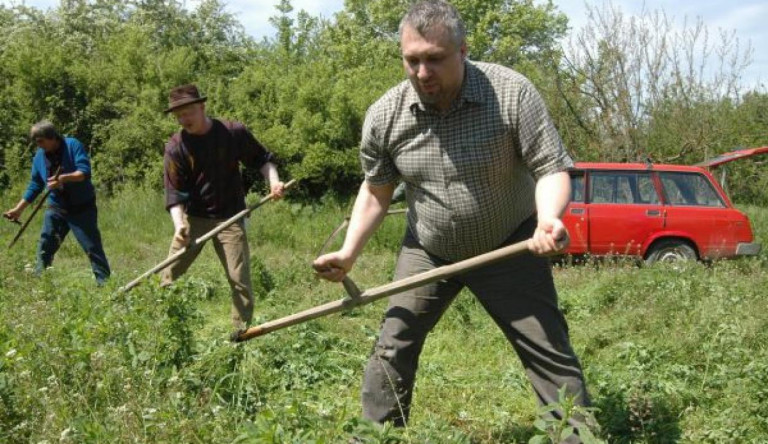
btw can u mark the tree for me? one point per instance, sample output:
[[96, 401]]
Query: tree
[[638, 88], [101, 71]]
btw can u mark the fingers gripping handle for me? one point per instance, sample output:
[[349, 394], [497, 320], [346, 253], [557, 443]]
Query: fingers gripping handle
[[563, 241]]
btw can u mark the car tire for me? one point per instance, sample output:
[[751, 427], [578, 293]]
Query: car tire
[[671, 250]]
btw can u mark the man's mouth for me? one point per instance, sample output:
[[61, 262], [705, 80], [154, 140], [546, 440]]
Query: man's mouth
[[429, 87]]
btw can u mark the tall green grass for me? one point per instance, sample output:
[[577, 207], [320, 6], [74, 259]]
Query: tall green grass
[[670, 353]]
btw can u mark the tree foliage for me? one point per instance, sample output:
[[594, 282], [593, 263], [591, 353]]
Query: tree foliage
[[637, 88], [101, 69]]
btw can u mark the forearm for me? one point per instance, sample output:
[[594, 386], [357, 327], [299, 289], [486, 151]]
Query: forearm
[[21, 205], [369, 210], [178, 215], [553, 192], [269, 171], [76, 176]]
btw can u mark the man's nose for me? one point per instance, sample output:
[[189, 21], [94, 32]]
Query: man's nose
[[423, 71]]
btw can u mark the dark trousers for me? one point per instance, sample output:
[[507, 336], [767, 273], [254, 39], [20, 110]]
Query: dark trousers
[[520, 296], [83, 223]]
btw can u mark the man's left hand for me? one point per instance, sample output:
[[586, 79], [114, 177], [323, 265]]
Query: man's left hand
[[277, 189], [55, 182], [550, 237]]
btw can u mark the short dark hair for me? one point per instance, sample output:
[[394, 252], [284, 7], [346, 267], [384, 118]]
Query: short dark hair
[[43, 129], [425, 15]]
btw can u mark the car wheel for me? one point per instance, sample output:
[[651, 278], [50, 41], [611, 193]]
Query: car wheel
[[671, 250]]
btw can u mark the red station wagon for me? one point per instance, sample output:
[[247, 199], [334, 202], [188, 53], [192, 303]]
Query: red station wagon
[[656, 212]]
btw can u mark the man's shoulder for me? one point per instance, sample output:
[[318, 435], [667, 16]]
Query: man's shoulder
[[395, 96], [233, 126], [72, 142], [498, 74], [174, 143], [39, 155], [394, 99]]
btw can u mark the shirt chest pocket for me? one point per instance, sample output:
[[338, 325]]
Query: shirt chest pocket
[[482, 153], [420, 158]]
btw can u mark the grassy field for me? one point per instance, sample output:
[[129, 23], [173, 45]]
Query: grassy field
[[671, 354]]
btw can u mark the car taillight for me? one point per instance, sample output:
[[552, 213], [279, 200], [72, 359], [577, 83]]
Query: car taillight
[[745, 227]]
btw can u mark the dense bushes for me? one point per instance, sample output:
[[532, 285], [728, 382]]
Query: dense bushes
[[101, 71]]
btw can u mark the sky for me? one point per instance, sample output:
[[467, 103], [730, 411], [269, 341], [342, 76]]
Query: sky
[[746, 17]]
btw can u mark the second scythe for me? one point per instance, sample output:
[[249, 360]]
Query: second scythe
[[200, 240]]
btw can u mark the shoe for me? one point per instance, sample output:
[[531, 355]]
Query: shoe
[[235, 335]]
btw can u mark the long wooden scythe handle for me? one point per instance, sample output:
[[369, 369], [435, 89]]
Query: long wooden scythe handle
[[372, 294], [37, 208], [200, 240]]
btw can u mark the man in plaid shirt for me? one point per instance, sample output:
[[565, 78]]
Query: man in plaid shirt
[[484, 167]]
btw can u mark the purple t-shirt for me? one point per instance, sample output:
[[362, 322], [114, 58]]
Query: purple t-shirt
[[203, 172]]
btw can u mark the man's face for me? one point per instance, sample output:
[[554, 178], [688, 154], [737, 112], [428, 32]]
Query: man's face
[[434, 64], [49, 145], [191, 117]]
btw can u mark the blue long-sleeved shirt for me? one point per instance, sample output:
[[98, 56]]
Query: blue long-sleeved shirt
[[73, 158]]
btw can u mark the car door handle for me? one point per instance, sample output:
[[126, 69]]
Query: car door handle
[[577, 210], [653, 213]]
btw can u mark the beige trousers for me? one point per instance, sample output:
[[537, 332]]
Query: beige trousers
[[231, 247]]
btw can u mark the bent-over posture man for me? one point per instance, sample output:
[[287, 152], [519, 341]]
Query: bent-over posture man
[[71, 202], [484, 167], [204, 187]]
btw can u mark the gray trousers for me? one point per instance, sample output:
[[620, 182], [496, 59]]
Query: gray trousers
[[520, 296]]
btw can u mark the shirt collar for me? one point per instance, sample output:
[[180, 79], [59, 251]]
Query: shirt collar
[[471, 90]]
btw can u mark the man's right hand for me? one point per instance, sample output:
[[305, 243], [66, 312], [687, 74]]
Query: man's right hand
[[181, 235], [13, 214], [333, 266]]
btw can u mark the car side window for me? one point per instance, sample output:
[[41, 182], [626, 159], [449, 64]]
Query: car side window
[[690, 189], [622, 188], [647, 190], [601, 188], [577, 186]]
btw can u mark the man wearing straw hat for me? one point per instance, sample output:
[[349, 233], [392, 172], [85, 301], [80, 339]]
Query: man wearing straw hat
[[483, 167], [204, 187]]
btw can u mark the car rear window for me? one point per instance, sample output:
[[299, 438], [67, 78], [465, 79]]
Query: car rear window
[[690, 189], [622, 188]]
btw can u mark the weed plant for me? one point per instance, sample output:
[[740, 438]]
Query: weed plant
[[671, 353]]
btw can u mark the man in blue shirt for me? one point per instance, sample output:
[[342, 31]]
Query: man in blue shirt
[[71, 202]]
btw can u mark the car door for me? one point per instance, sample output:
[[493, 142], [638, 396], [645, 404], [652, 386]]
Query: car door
[[624, 209], [575, 217], [696, 209]]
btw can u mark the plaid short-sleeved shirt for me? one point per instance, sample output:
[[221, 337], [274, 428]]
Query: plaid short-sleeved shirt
[[470, 172]]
